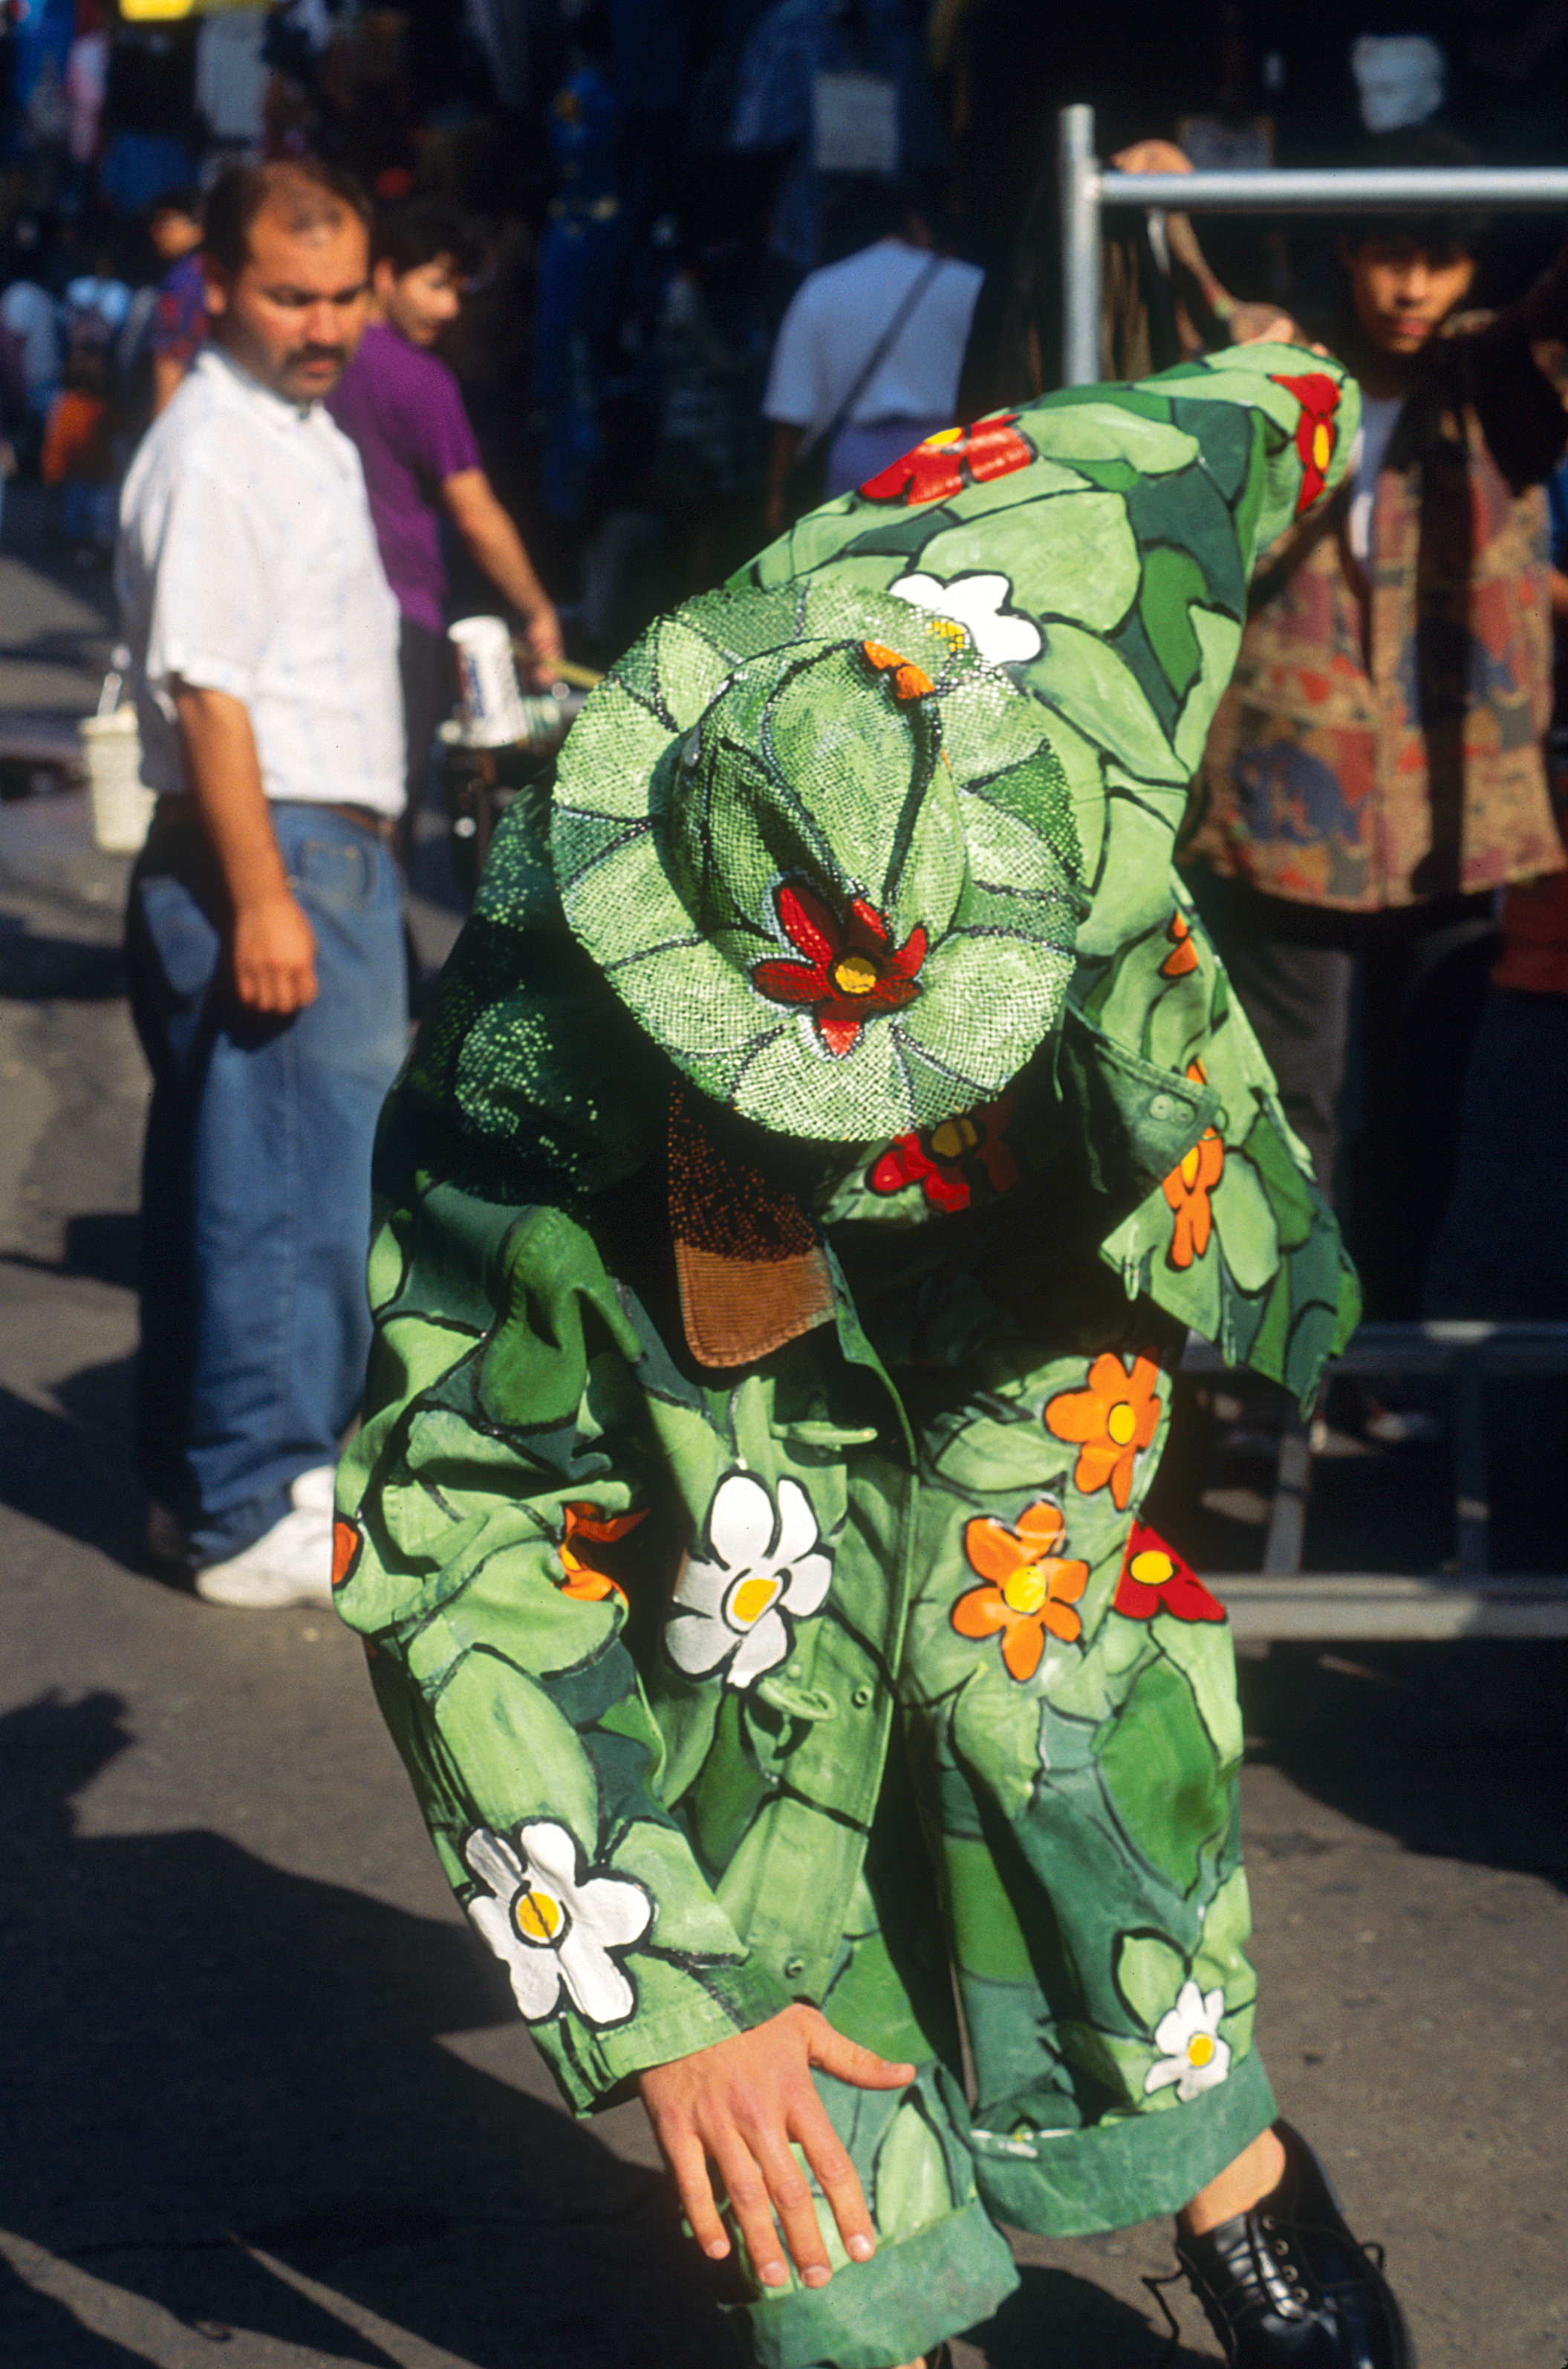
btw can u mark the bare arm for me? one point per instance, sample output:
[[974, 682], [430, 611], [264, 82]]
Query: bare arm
[[272, 946], [168, 372], [743, 2103], [499, 549]]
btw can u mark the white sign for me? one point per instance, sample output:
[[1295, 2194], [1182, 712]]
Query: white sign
[[855, 123]]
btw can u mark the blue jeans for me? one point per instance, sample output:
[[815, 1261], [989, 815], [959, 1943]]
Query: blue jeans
[[256, 1173]]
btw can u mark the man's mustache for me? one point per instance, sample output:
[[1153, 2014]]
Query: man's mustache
[[306, 354]]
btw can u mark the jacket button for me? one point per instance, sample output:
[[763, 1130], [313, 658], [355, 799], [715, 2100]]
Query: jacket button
[[860, 1696], [794, 1968], [1161, 1106]]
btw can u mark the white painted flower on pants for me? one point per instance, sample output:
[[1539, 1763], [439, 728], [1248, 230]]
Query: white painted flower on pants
[[552, 1923], [764, 1561], [978, 603], [1193, 2054]]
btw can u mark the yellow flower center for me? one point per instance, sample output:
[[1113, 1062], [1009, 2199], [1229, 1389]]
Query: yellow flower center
[[1200, 2049], [1152, 1570], [538, 1917], [855, 975], [750, 1600], [1027, 1589], [949, 628], [1121, 1425], [1322, 444], [954, 1137]]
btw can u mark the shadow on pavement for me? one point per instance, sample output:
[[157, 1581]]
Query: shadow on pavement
[[221, 2074], [37, 968], [70, 1469], [104, 1245], [1457, 1749], [1056, 2317]]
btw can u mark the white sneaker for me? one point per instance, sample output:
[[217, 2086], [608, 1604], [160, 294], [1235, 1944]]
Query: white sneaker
[[293, 1564]]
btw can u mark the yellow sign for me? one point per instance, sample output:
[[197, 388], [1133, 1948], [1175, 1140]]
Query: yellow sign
[[152, 12]]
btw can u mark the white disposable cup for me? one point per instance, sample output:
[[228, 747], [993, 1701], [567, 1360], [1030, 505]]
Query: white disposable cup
[[492, 697], [122, 806]]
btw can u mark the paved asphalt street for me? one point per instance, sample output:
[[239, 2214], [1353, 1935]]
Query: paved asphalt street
[[265, 2100]]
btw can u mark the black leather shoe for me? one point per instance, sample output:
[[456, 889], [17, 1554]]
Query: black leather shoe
[[1287, 2286]]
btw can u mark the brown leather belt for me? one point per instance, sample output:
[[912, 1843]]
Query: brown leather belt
[[180, 806]]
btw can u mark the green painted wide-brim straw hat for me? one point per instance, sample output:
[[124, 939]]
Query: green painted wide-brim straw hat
[[822, 851], [812, 828]]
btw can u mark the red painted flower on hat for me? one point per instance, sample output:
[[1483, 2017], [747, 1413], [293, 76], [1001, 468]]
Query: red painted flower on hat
[[935, 471], [1029, 1586], [1182, 957], [1154, 1580], [1316, 434], [586, 1528], [1188, 1187], [939, 1158], [849, 969]]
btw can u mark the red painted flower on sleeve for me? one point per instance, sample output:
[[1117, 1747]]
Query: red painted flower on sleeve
[[1316, 434], [1154, 1580], [935, 470], [346, 1545], [850, 971], [938, 1157]]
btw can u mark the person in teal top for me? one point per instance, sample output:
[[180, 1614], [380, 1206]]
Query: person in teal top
[[830, 1126]]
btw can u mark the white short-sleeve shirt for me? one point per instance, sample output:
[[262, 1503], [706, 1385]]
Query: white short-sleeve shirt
[[838, 318], [248, 563]]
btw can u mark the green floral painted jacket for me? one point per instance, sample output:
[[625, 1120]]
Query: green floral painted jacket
[[546, 1513]]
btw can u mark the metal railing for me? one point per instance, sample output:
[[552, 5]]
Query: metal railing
[[1467, 1598], [1088, 187]]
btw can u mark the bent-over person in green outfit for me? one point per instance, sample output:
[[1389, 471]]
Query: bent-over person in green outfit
[[830, 1127]]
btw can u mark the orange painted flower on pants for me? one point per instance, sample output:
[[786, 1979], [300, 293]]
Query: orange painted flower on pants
[[1110, 1423], [1029, 1588]]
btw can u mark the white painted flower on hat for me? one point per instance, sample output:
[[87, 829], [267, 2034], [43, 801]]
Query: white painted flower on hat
[[553, 1923], [979, 605], [1192, 2054], [764, 1561]]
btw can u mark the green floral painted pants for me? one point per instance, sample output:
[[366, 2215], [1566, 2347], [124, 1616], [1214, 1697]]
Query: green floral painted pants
[[1057, 1843]]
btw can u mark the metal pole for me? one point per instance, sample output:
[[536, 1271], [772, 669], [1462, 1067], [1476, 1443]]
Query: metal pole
[[1403, 189], [1080, 246], [1086, 189]]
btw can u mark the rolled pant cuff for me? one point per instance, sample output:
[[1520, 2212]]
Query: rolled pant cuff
[[912, 2293], [1130, 2167]]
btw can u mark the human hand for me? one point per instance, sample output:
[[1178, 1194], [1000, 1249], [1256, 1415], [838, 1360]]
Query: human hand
[[273, 954], [1268, 325], [1152, 156], [743, 2102], [542, 645]]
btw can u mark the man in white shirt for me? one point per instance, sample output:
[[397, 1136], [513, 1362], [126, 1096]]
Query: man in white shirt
[[869, 353], [264, 932]]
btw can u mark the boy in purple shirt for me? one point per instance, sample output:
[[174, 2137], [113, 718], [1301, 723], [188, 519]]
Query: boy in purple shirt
[[403, 408]]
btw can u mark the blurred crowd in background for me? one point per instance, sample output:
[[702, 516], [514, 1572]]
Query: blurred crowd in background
[[648, 183], [709, 259]]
